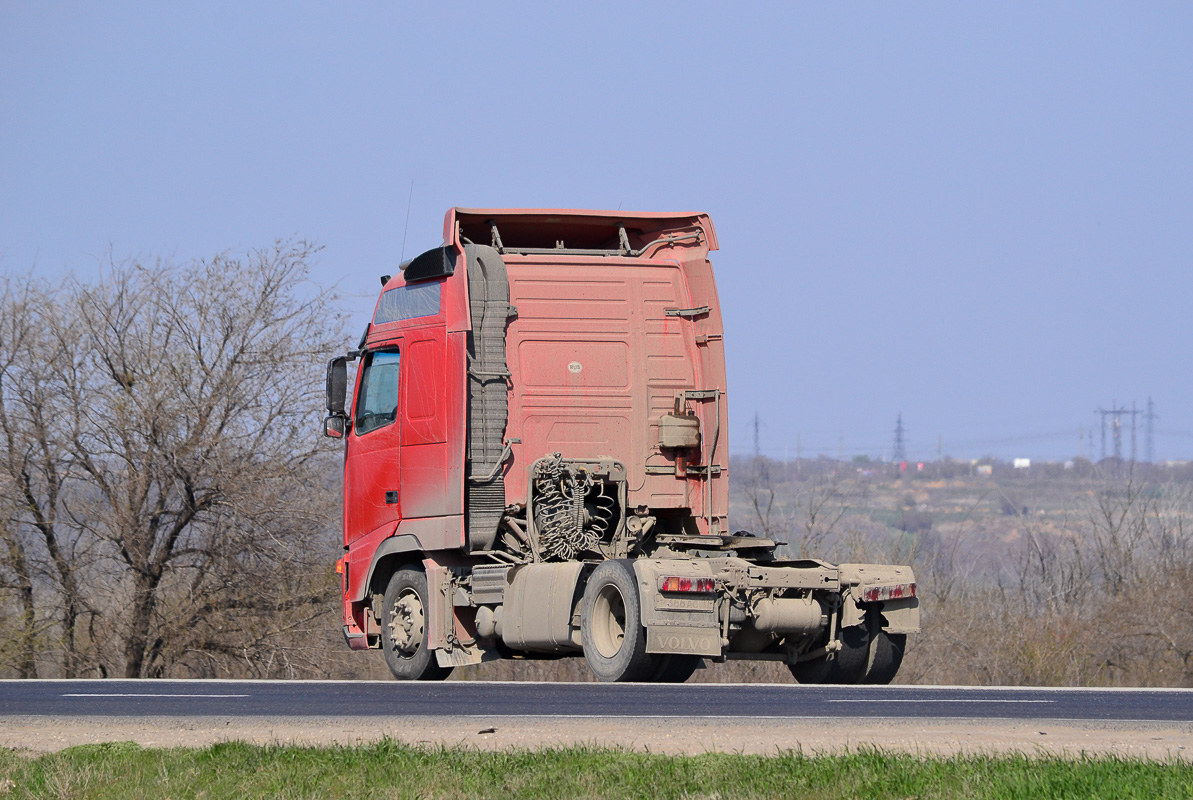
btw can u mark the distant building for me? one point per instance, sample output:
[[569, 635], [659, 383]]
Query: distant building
[[985, 469], [1021, 463]]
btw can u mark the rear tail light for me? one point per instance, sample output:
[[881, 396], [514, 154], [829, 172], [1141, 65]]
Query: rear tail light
[[878, 594], [690, 585]]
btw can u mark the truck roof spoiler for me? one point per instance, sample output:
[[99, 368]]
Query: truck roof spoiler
[[574, 232]]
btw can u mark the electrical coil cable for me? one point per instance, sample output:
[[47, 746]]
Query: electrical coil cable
[[601, 515], [575, 490], [552, 512], [565, 524]]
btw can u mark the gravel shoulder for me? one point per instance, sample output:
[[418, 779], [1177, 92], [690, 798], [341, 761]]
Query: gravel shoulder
[[1155, 741]]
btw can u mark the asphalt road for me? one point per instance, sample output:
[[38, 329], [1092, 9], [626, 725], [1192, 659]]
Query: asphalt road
[[356, 699]]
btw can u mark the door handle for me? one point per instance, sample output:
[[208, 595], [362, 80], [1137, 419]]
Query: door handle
[[391, 497]]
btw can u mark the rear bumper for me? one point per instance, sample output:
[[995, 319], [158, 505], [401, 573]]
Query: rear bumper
[[755, 606]]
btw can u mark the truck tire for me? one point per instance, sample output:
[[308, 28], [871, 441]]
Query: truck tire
[[676, 668], [404, 629], [886, 655], [847, 667], [611, 625]]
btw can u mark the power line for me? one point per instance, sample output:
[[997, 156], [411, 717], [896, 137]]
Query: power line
[[826, 446], [960, 447]]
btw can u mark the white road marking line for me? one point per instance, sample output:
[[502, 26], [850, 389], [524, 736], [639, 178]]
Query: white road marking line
[[690, 687], [747, 717], [147, 694], [932, 700]]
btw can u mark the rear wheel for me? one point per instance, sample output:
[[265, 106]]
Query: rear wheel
[[676, 668], [611, 625], [848, 665], [886, 655], [404, 629]]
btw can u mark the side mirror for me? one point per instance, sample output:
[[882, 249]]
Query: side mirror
[[337, 386], [333, 427]]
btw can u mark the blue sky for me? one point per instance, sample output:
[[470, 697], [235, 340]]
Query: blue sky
[[978, 215]]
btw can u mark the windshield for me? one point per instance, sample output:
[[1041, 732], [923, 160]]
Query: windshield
[[407, 302]]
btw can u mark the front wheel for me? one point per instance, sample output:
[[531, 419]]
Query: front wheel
[[611, 625], [404, 629]]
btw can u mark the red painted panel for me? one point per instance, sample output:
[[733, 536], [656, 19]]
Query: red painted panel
[[424, 480], [425, 387], [424, 429], [360, 557], [579, 365], [371, 470], [585, 306], [456, 416], [595, 362]]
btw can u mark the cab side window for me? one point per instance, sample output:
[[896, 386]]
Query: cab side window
[[377, 404]]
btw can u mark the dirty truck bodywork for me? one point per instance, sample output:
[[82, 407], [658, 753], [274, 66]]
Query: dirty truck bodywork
[[536, 466]]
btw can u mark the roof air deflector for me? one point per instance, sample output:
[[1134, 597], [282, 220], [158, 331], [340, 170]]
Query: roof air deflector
[[437, 263]]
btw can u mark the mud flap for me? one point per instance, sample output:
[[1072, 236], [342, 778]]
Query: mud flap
[[683, 640], [439, 605], [459, 657], [454, 645]]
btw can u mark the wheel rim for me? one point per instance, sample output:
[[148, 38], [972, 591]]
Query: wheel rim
[[608, 629], [407, 624]]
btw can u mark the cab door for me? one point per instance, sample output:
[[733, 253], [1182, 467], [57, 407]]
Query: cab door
[[425, 482], [372, 470]]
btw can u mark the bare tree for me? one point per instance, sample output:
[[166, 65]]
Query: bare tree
[[760, 488], [160, 429], [37, 468], [804, 512], [1119, 520], [16, 577], [821, 502]]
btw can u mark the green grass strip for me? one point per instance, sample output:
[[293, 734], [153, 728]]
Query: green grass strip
[[392, 770]]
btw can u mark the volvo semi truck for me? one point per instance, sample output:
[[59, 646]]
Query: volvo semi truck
[[536, 466]]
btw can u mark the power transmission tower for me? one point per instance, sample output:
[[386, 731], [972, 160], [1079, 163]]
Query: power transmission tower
[[1113, 417], [1134, 417], [759, 464], [757, 440], [1150, 418], [900, 448], [1103, 435]]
